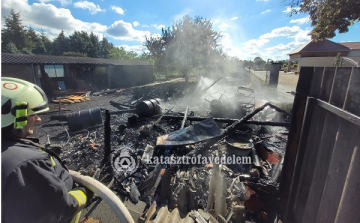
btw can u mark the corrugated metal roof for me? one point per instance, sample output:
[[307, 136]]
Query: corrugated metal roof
[[351, 45], [320, 46], [8, 58]]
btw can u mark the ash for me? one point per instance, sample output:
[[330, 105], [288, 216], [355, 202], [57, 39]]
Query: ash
[[234, 192]]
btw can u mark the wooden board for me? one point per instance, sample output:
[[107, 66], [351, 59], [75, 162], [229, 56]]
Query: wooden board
[[336, 177], [340, 86], [316, 82], [326, 83], [321, 166], [352, 101]]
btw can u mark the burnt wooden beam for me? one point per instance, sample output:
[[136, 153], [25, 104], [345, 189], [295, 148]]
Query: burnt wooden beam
[[107, 132]]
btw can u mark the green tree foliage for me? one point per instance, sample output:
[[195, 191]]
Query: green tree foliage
[[16, 38], [120, 53], [61, 44], [74, 54], [147, 57], [259, 63], [37, 43], [46, 43], [10, 48], [337, 61], [79, 42], [189, 45], [157, 47], [327, 16], [248, 64], [94, 46], [13, 31], [105, 48]]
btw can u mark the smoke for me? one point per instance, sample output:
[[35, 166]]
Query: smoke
[[229, 96]]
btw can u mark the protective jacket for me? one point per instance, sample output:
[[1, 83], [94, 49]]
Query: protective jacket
[[36, 186]]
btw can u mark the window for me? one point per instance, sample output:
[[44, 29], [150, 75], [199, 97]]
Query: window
[[54, 70]]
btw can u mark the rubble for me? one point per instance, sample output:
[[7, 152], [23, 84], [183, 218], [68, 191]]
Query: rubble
[[127, 145]]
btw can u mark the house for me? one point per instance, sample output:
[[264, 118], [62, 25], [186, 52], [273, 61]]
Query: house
[[354, 48], [62, 73], [323, 54]]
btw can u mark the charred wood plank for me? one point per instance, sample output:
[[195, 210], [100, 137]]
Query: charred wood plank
[[107, 132]]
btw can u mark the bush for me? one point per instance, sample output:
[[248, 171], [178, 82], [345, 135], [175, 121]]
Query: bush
[[295, 66]]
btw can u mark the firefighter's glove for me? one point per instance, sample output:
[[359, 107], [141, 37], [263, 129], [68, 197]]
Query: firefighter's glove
[[89, 195]]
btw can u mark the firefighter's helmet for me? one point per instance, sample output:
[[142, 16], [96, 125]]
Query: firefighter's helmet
[[19, 99]]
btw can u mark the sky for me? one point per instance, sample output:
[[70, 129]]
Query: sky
[[249, 28]]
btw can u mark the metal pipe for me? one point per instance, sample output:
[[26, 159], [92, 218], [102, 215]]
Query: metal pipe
[[123, 111], [207, 88], [185, 117]]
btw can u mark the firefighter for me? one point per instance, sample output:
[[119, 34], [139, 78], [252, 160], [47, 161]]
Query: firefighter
[[35, 185]]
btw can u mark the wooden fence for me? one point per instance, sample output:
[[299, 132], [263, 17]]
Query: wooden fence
[[321, 173]]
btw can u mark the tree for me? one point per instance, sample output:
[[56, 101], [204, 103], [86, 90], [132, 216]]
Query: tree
[[157, 47], [189, 45], [74, 54], [79, 42], [259, 62], [147, 57], [61, 44], [105, 48], [248, 64], [94, 46], [10, 48], [46, 43], [120, 53], [327, 16], [35, 42], [13, 32]]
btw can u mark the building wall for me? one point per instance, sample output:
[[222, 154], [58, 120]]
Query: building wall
[[354, 53], [20, 71], [322, 62], [100, 78], [131, 75]]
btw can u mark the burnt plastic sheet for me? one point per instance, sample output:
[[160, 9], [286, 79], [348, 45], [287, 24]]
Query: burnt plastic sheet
[[201, 131]]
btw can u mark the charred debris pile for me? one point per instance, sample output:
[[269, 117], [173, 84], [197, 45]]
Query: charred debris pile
[[212, 153]]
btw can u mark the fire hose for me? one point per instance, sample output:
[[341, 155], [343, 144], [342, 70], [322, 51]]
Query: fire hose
[[106, 194]]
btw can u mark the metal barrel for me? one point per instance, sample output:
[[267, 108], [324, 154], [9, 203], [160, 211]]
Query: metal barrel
[[148, 107], [84, 119]]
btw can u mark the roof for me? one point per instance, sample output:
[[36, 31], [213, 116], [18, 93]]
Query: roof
[[320, 46], [8, 58], [351, 45]]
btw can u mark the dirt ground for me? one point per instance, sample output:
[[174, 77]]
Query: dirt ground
[[288, 79]]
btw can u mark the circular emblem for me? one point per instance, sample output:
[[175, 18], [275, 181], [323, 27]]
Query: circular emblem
[[10, 86], [125, 161]]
